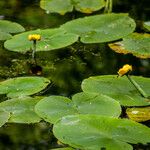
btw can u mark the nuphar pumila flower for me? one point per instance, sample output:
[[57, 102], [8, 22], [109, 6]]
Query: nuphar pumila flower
[[124, 70], [34, 37]]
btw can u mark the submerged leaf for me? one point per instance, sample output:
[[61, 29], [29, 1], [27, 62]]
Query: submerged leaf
[[119, 88], [50, 39], [4, 116], [21, 109], [93, 132], [101, 28], [136, 44], [22, 86], [54, 107], [139, 114]]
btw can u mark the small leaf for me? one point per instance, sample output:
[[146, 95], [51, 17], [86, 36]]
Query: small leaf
[[50, 39], [94, 132], [88, 6], [4, 116], [147, 25], [21, 109], [10, 27], [22, 86], [136, 44], [101, 28], [57, 6], [118, 88], [139, 114], [54, 107]]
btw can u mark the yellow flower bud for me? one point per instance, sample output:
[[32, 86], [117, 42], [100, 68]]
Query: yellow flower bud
[[34, 37], [124, 70]]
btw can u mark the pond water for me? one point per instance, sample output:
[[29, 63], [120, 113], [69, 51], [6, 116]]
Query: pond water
[[66, 68]]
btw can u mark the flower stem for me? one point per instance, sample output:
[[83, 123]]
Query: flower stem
[[33, 51], [137, 86]]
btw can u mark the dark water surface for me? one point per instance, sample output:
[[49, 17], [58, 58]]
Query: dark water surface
[[65, 67]]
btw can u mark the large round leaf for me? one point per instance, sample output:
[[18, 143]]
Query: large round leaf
[[57, 6], [21, 86], [88, 6], [54, 107], [21, 109], [93, 132], [50, 39], [119, 88], [136, 44], [101, 28], [4, 116], [7, 27]]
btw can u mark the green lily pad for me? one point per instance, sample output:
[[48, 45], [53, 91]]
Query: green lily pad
[[22, 86], [147, 25], [88, 6], [119, 88], [50, 39], [54, 107], [5, 36], [57, 6], [4, 116], [7, 27], [66, 148], [94, 132], [21, 109], [136, 44], [101, 28]]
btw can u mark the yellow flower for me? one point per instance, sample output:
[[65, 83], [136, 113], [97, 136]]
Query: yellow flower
[[34, 37], [124, 70]]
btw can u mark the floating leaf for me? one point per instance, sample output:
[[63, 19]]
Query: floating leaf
[[88, 6], [119, 88], [139, 114], [21, 86], [101, 28], [54, 107], [4, 116], [147, 25], [66, 148], [10, 27], [4, 36], [7, 27], [57, 6], [136, 44], [50, 39], [21, 109], [94, 132]]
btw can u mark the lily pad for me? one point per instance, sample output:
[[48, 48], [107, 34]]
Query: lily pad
[[22, 86], [54, 107], [50, 39], [57, 6], [94, 132], [101, 28], [119, 88], [136, 44], [21, 110], [147, 25], [88, 6], [4, 116], [66, 148], [139, 114], [7, 27]]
